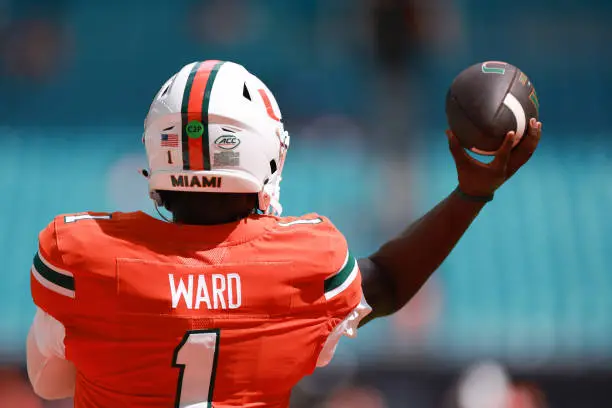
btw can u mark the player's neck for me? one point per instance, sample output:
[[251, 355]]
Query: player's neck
[[207, 218], [209, 208]]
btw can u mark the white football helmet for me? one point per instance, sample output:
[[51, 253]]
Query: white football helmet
[[215, 127]]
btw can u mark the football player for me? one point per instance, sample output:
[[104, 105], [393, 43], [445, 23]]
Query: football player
[[227, 305]]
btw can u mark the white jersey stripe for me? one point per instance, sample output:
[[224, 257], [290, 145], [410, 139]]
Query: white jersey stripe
[[53, 267], [296, 222]]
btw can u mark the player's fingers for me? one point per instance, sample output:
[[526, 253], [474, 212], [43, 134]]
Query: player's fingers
[[535, 128], [526, 148], [452, 139], [503, 153], [456, 149], [538, 130], [529, 145]]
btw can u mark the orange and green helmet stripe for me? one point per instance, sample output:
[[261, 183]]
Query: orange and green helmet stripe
[[194, 115]]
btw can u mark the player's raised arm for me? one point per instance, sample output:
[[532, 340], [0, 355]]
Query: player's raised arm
[[395, 273]]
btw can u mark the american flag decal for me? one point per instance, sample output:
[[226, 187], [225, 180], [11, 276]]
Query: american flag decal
[[169, 140]]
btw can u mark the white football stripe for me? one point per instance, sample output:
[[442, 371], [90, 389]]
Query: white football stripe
[[519, 114]]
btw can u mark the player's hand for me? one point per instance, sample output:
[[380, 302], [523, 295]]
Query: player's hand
[[480, 179]]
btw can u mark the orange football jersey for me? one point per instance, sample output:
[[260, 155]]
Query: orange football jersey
[[158, 314]]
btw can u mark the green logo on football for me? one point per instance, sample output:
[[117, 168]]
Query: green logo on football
[[194, 129], [494, 67], [533, 97]]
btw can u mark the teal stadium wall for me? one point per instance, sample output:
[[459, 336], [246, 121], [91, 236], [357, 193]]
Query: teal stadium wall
[[530, 280]]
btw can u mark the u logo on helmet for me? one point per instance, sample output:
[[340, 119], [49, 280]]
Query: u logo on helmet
[[268, 103]]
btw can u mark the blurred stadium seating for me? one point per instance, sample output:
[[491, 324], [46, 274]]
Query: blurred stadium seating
[[529, 286]]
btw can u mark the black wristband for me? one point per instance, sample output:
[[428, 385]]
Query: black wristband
[[478, 199]]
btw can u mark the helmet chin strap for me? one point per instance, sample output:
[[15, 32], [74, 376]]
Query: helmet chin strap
[[272, 190], [159, 212], [154, 196]]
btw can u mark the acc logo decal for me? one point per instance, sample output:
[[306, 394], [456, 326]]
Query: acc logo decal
[[493, 67], [227, 142]]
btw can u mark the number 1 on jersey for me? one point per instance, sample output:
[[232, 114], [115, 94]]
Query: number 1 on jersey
[[196, 356]]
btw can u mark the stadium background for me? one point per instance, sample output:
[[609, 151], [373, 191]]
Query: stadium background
[[522, 307]]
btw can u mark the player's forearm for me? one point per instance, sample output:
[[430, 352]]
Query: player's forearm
[[409, 260]]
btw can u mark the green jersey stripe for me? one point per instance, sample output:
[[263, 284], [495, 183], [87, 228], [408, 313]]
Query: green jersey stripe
[[185, 114], [343, 274], [205, 106], [49, 274]]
